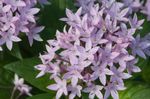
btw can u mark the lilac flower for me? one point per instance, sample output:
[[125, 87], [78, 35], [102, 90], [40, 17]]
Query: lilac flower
[[119, 76], [86, 53], [112, 88], [43, 69], [147, 39], [94, 90], [5, 8], [97, 38], [72, 18], [8, 38], [88, 79], [18, 81], [73, 74], [107, 55], [86, 4], [111, 25], [107, 3], [138, 46], [15, 3], [146, 9], [118, 14], [60, 87], [101, 72], [19, 85], [29, 13], [123, 61], [125, 32], [9, 21], [74, 91], [147, 51], [131, 67], [133, 5], [134, 23], [25, 89], [33, 34], [41, 2]]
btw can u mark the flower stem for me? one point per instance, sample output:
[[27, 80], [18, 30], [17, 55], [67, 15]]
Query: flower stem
[[13, 93], [18, 96]]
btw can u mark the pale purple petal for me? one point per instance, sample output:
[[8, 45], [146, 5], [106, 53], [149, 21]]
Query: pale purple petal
[[53, 87]]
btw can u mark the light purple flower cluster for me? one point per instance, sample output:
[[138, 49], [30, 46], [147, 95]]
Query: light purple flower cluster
[[140, 46], [133, 5], [18, 16], [146, 9], [92, 54], [138, 5]]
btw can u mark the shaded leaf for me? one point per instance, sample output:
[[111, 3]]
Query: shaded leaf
[[43, 96]]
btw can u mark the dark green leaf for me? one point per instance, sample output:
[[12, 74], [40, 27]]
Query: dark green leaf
[[85, 96], [43, 96], [5, 93], [146, 71], [16, 51]]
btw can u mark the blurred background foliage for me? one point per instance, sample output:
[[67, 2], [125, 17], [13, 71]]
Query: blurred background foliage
[[23, 58]]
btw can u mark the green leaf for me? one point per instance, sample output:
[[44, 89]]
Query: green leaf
[[5, 93], [85, 96], [25, 69], [16, 51], [43, 96], [6, 76], [146, 71], [136, 90]]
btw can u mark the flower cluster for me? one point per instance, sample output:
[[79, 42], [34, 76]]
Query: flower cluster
[[133, 5], [140, 46], [138, 5], [92, 54], [20, 86], [146, 9], [18, 16]]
